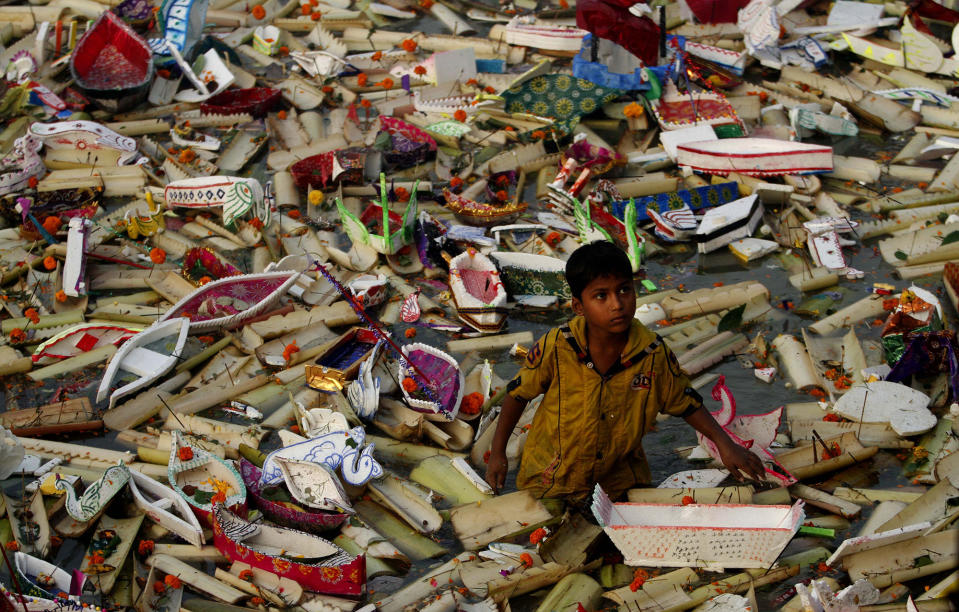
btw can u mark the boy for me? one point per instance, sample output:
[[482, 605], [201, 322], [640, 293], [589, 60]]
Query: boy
[[605, 378]]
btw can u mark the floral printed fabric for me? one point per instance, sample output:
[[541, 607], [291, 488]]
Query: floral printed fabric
[[560, 97]]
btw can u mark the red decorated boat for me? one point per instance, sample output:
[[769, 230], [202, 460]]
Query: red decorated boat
[[257, 101]]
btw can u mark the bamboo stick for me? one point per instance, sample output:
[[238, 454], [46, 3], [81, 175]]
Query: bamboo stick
[[412, 544], [145, 405], [404, 453], [50, 320], [74, 363]]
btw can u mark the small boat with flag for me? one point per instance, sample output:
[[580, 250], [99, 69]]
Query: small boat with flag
[[478, 293]]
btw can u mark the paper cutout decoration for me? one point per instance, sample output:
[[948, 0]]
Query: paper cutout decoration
[[560, 96]]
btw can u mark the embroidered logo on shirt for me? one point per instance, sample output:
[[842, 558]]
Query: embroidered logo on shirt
[[532, 357], [642, 381]]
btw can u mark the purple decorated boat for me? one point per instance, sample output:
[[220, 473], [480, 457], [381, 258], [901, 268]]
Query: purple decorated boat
[[283, 513], [440, 395]]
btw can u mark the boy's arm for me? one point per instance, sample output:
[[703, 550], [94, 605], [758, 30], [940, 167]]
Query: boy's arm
[[498, 465], [737, 459]]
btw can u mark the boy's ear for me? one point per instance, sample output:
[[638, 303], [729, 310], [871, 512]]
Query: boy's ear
[[577, 307]]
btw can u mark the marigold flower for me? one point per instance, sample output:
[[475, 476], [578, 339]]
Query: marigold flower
[[255, 222], [409, 385], [538, 134], [281, 115], [409, 45], [218, 498], [184, 453], [49, 262], [17, 335], [60, 296], [402, 194], [12, 546], [488, 89], [639, 579], [633, 110], [688, 499], [553, 238], [186, 156], [472, 403], [365, 103], [172, 581], [537, 536], [259, 12], [362, 78], [316, 197], [420, 70], [52, 224], [204, 280], [377, 56], [427, 4], [306, 8], [386, 83], [501, 195], [159, 587], [145, 547], [327, 89], [32, 314], [32, 182], [157, 255], [289, 350], [460, 115], [526, 559], [294, 214], [246, 575], [410, 332], [316, 16], [456, 182]]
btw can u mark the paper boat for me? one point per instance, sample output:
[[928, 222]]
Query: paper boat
[[711, 536], [729, 222], [754, 157]]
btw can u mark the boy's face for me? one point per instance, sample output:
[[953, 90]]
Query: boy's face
[[608, 303]]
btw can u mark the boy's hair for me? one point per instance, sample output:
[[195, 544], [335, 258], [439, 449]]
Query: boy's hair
[[596, 260]]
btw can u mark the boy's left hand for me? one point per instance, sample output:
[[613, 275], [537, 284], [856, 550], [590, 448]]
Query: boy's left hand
[[741, 462]]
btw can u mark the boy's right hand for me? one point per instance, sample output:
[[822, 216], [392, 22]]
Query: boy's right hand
[[496, 469]]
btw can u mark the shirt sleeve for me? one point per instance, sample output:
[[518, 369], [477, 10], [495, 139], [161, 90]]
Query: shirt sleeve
[[538, 370], [678, 396]]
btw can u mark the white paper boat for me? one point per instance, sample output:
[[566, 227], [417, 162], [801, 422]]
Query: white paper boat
[[754, 157], [729, 222], [166, 507], [711, 536], [478, 293], [148, 364]]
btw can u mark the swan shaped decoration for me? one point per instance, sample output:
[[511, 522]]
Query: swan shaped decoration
[[314, 485], [754, 432], [344, 450], [97, 495], [364, 392]]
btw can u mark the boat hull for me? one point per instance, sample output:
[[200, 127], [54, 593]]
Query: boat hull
[[754, 157], [529, 274], [472, 277], [285, 515]]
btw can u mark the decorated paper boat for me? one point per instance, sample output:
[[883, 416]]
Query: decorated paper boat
[[206, 476], [229, 302], [339, 449], [754, 157], [146, 363], [181, 23], [44, 580], [314, 563], [676, 111], [378, 227], [410, 145], [314, 485], [62, 203], [86, 142], [287, 514], [232, 195], [482, 215], [441, 400], [710, 536], [21, 164], [97, 495], [527, 33], [478, 293], [165, 507], [529, 274], [675, 225], [326, 169], [80, 339], [112, 65], [339, 364], [729, 222], [256, 101]]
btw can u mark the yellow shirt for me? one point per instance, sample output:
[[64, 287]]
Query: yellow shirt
[[589, 428]]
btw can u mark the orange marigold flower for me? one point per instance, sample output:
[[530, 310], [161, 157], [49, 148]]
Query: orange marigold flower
[[159, 587], [206, 339], [293, 214], [257, 601], [12, 545], [490, 90], [145, 547], [639, 579], [17, 335], [184, 453], [157, 255], [60, 296], [246, 575], [32, 314], [402, 194], [633, 110], [472, 82], [386, 83], [456, 182], [256, 222], [553, 238], [289, 350], [284, 50], [526, 559], [172, 581], [52, 224], [832, 417], [410, 332], [32, 182], [365, 103], [501, 195], [410, 385], [316, 16], [49, 262], [218, 498], [409, 45], [327, 89], [204, 280], [460, 115], [259, 12], [420, 70], [537, 536], [377, 56], [538, 134], [281, 115], [427, 4], [472, 403], [306, 8], [362, 78], [688, 499], [186, 156]]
